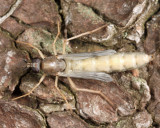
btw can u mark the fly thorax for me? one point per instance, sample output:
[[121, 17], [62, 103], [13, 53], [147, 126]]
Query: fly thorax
[[52, 65]]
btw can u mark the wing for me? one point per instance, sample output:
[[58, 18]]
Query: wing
[[80, 56], [88, 75]]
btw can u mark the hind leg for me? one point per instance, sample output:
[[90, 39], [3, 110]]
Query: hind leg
[[73, 86], [86, 33], [80, 35]]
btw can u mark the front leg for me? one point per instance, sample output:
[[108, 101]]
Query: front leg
[[40, 81]]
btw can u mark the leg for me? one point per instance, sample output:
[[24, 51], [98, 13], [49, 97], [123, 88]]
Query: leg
[[73, 86], [64, 46], [65, 99], [40, 53], [86, 33], [64, 42], [77, 36], [54, 42], [56, 80], [40, 81]]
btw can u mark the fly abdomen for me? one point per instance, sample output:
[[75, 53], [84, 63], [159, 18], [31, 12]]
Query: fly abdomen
[[128, 61], [110, 63]]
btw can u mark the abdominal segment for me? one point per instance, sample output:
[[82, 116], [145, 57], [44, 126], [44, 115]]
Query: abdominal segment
[[110, 63]]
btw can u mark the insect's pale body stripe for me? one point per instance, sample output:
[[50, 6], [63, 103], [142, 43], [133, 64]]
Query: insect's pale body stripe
[[109, 63]]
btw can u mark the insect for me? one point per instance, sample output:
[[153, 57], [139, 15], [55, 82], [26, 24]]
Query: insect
[[93, 65]]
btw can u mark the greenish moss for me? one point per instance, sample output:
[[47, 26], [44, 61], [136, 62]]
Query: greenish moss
[[88, 13], [43, 40]]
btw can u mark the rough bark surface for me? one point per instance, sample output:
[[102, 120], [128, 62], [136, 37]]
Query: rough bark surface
[[131, 26]]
